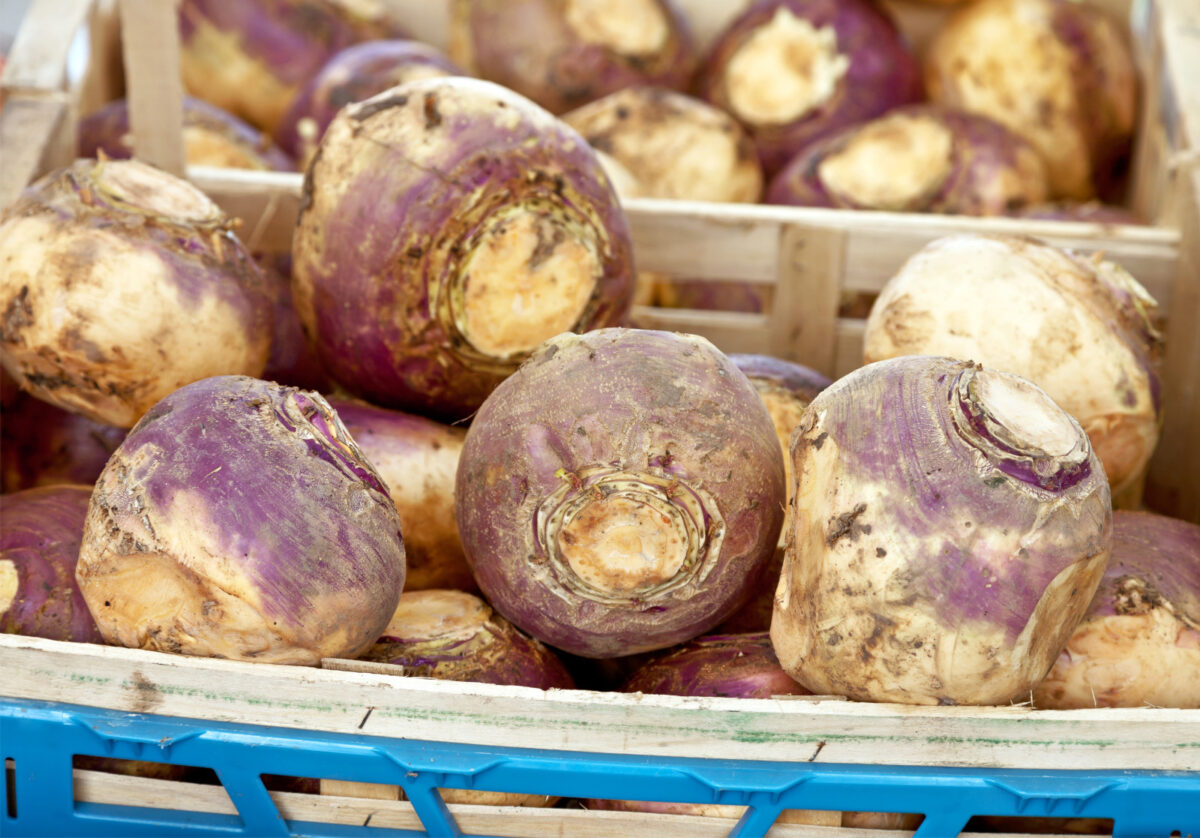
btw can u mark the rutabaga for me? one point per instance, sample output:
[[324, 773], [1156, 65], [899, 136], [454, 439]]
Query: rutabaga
[[951, 526], [239, 520], [622, 492], [1079, 327]]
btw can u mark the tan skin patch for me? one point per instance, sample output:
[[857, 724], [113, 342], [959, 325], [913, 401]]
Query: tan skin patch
[[891, 164], [9, 582], [528, 280], [628, 27], [620, 545], [426, 615]]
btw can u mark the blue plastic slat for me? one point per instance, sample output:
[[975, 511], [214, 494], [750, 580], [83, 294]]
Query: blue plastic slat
[[42, 736]]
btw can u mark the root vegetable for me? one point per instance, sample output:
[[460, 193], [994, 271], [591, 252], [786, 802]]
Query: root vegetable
[[251, 57], [793, 71], [675, 146], [622, 492], [239, 519], [211, 137], [565, 53], [352, 75], [455, 636], [40, 531], [120, 283], [1139, 642], [42, 445], [916, 159], [417, 459], [292, 360], [1057, 72], [951, 526], [733, 666], [497, 230], [1081, 328]]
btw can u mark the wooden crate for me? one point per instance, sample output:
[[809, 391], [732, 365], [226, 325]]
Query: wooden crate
[[809, 257]]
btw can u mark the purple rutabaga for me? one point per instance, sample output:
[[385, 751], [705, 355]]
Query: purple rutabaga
[[1140, 640], [916, 159], [951, 526], [40, 530], [240, 520], [292, 360], [565, 53], [621, 492], [352, 75], [673, 145], [43, 445], [120, 283], [729, 665], [1079, 327], [1057, 72], [447, 227], [455, 636], [417, 459], [251, 57], [211, 137], [793, 71]]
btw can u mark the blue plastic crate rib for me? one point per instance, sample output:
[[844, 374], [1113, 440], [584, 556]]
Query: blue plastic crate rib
[[40, 738]]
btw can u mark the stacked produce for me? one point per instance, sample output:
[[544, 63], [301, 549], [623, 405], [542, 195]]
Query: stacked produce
[[934, 528]]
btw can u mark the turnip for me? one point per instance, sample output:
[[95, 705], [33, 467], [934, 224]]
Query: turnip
[[916, 159], [951, 526], [733, 666], [120, 283], [1139, 642], [455, 636], [239, 519], [449, 226], [621, 492], [42, 445], [40, 531], [1059, 73], [793, 71], [352, 75], [1080, 327], [211, 137], [566, 53], [417, 459], [292, 359], [675, 146], [251, 57]]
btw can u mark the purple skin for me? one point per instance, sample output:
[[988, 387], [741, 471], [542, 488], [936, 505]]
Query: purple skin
[[983, 151], [352, 75], [285, 503], [732, 666], [416, 457], [40, 531], [802, 382], [653, 405], [292, 361], [368, 274], [883, 72], [527, 46], [43, 445], [288, 40], [107, 130], [931, 489], [1091, 212], [498, 653], [1161, 553]]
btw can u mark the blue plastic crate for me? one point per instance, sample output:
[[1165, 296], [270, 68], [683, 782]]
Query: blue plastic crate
[[41, 737]]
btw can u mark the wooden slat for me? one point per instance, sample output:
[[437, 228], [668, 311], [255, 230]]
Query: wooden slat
[[132, 680], [29, 128], [38, 58], [705, 241], [849, 355], [730, 331], [803, 318], [150, 33]]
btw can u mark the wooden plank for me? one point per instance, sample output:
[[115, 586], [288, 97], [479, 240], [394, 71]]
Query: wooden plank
[[38, 58], [849, 352], [133, 680], [29, 128], [730, 331], [803, 318], [150, 34], [1173, 484], [104, 78]]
